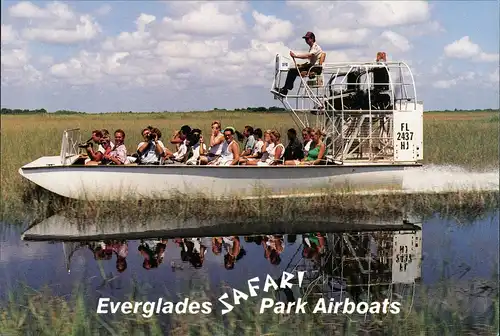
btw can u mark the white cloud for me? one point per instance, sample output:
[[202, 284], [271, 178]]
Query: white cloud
[[9, 35], [464, 48], [342, 37], [56, 23], [363, 14], [428, 28], [208, 19], [397, 41], [494, 77], [15, 58], [53, 11], [46, 59], [104, 10], [464, 78], [192, 49], [269, 28], [24, 75], [393, 13], [87, 29], [143, 20], [138, 40]]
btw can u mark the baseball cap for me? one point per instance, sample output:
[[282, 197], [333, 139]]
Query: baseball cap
[[308, 35]]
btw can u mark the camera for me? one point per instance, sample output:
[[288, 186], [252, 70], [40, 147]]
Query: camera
[[151, 136], [85, 145]]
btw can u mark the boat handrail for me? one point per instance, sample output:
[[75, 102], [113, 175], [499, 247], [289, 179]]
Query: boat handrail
[[71, 138]]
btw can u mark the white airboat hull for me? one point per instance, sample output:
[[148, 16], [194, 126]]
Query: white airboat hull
[[163, 182]]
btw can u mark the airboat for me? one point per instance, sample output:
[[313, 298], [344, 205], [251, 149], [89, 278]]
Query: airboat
[[368, 110]]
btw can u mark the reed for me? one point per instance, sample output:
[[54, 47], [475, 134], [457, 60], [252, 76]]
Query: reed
[[464, 139], [434, 310], [330, 205]]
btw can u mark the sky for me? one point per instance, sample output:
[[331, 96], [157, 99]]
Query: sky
[[99, 56]]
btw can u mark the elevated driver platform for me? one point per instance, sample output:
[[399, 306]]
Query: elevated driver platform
[[367, 111]]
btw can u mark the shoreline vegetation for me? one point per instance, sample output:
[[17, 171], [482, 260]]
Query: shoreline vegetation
[[465, 139], [444, 308]]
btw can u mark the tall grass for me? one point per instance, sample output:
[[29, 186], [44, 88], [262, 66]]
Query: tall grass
[[472, 143], [434, 310]]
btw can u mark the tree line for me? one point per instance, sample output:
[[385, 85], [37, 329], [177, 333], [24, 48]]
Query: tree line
[[42, 110], [273, 109]]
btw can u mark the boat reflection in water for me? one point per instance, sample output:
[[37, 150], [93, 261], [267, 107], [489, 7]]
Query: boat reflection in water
[[364, 260]]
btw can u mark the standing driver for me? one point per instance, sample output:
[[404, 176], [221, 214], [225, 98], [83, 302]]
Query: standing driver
[[313, 56]]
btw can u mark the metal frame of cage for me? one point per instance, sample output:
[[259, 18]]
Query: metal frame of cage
[[359, 134]]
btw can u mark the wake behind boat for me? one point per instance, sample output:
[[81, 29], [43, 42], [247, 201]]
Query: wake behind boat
[[368, 112]]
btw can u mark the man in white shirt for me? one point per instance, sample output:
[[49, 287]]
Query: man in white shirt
[[313, 56], [151, 149]]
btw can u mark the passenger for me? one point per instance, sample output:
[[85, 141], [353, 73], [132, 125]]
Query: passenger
[[216, 141], [92, 155], [120, 248], [196, 147], [151, 150], [196, 249], [273, 247], [118, 154], [101, 250], [234, 251], [182, 149], [294, 151], [266, 147], [306, 135], [275, 154], [217, 245], [230, 153], [317, 151], [258, 148], [179, 136], [153, 251], [105, 147], [313, 56], [249, 143]]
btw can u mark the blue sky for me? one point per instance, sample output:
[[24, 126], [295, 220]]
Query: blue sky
[[199, 55]]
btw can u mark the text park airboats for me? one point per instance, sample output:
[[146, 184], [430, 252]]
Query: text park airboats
[[368, 112]]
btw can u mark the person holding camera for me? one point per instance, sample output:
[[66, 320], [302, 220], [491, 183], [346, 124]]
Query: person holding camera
[[151, 150], [196, 147], [98, 137]]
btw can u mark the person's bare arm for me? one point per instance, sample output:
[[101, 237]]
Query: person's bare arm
[[202, 144], [236, 153], [277, 153], [215, 140], [94, 156], [176, 138], [158, 147], [142, 147], [301, 56]]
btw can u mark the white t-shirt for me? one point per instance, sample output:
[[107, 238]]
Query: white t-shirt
[[307, 147], [196, 154], [316, 51], [258, 147], [102, 150], [179, 155], [217, 149], [149, 155]]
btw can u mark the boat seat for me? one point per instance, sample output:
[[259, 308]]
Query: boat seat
[[315, 73]]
